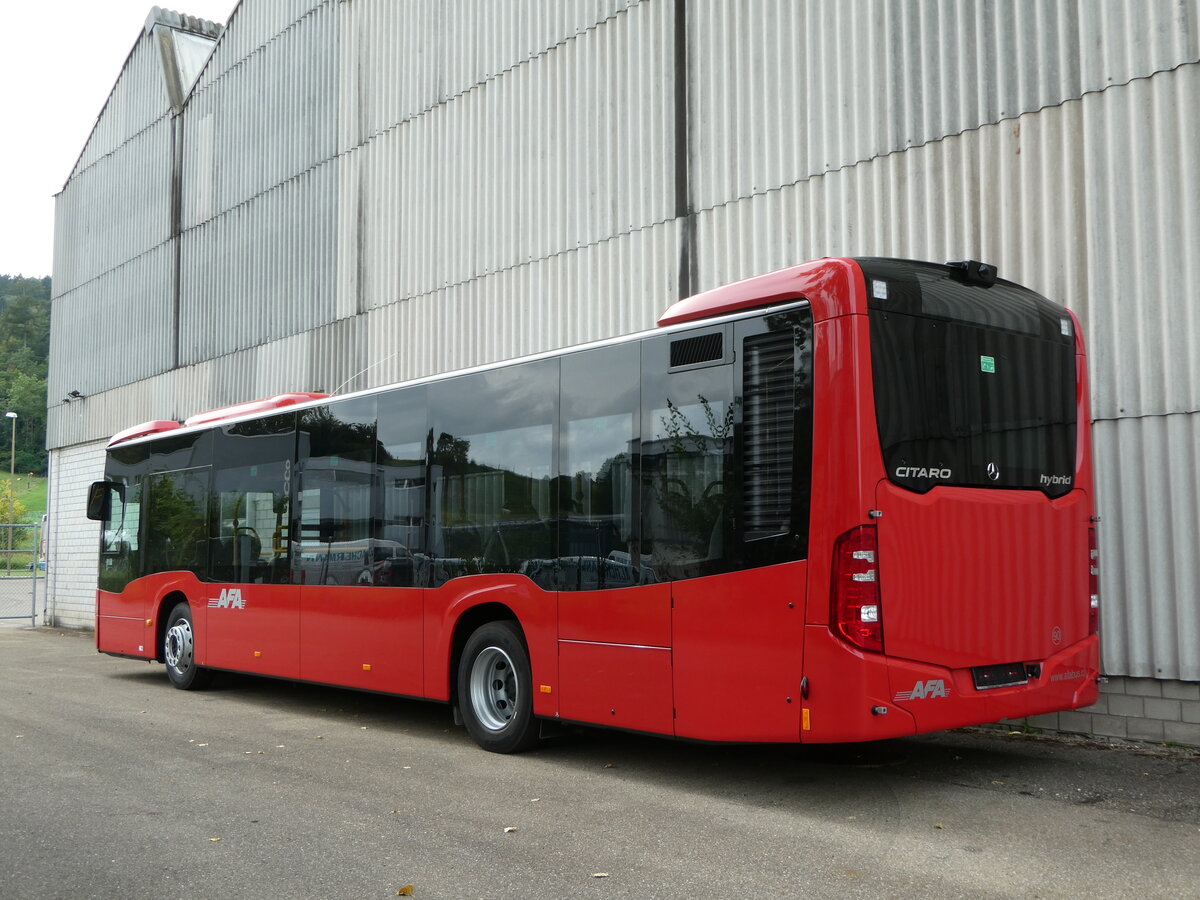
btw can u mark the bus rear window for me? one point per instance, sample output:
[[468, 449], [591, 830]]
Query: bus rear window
[[974, 385]]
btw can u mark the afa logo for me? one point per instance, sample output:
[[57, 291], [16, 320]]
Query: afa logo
[[924, 690], [231, 598]]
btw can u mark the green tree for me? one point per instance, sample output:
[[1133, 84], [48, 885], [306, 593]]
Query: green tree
[[24, 355]]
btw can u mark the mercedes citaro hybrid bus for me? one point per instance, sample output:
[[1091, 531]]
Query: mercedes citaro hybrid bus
[[844, 501]]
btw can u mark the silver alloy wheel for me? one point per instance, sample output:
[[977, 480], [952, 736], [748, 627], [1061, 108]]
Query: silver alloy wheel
[[179, 646], [493, 688]]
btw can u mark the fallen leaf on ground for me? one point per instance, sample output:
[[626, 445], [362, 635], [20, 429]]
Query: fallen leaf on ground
[[406, 891], [510, 829], [214, 840], [939, 825]]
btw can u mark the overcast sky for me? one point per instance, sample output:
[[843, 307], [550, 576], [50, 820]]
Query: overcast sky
[[61, 59]]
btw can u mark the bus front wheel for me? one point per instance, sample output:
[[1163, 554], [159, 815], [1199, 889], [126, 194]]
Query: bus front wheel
[[495, 689], [179, 651]]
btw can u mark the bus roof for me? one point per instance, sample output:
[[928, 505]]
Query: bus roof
[[794, 282], [238, 410]]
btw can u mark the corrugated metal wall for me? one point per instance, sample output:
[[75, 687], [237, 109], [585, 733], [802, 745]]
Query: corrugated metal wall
[[373, 191]]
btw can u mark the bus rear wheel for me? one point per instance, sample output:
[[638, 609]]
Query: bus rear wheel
[[179, 651], [495, 689]]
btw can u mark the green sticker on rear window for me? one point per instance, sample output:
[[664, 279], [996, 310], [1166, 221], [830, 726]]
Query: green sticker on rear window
[[987, 364]]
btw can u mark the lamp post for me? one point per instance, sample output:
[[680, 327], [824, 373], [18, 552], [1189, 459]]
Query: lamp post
[[12, 488]]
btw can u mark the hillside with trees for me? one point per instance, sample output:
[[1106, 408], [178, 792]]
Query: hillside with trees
[[24, 353]]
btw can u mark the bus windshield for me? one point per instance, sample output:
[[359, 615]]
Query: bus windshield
[[974, 384]]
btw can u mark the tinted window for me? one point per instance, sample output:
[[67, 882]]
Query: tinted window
[[687, 465], [251, 537], [492, 465], [120, 540], [600, 404], [974, 386], [403, 434], [173, 453], [335, 543], [176, 512]]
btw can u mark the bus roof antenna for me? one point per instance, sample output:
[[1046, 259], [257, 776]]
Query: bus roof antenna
[[361, 372]]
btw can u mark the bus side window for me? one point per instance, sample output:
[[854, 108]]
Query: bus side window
[[493, 459], [336, 494], [177, 522], [120, 559], [687, 483], [401, 545], [598, 427], [250, 540]]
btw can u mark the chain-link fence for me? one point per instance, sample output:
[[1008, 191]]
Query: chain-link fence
[[22, 570]]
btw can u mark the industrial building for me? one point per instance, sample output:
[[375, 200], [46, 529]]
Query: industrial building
[[330, 195]]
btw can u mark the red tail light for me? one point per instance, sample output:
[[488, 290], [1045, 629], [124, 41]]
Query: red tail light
[[855, 613], [1093, 582]]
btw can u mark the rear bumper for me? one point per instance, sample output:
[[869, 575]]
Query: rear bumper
[[881, 697]]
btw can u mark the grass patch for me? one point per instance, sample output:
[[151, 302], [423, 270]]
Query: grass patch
[[18, 550], [31, 492]]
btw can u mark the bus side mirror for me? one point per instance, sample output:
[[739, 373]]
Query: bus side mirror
[[99, 502]]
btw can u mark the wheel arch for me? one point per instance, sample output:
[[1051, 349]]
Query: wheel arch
[[465, 626], [166, 603]]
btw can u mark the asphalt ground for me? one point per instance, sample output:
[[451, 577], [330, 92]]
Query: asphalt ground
[[113, 784]]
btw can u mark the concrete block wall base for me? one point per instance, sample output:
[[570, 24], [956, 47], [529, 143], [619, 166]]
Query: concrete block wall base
[[1139, 709]]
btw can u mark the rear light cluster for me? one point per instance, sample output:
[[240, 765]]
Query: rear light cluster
[[855, 613], [1093, 582]]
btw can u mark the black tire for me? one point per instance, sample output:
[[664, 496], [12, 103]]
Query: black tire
[[495, 689], [179, 651]]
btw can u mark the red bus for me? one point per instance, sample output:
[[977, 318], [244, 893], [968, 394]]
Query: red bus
[[844, 501]]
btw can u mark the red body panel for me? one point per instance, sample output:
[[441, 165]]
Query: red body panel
[[614, 654], [636, 615], [265, 405], [263, 637], [847, 687], [616, 684], [155, 426], [123, 635], [127, 622], [825, 283], [738, 645], [1067, 680], [972, 578], [363, 637]]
